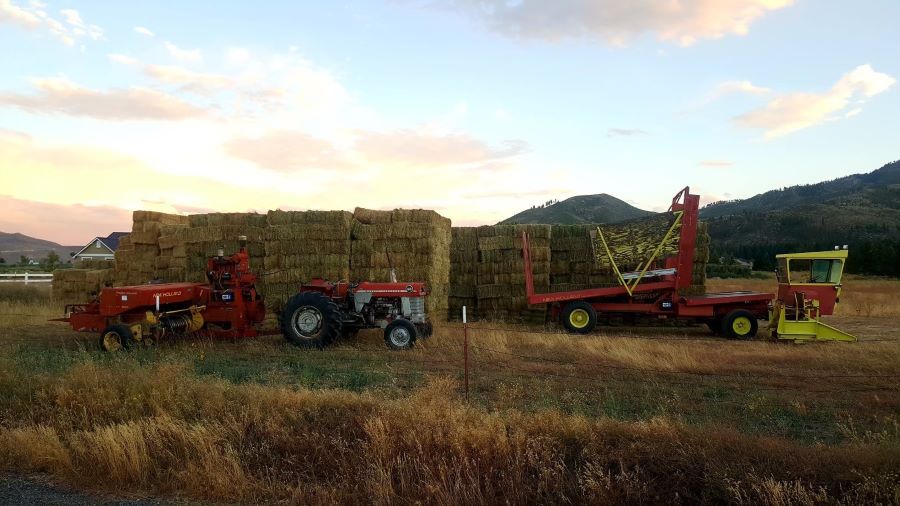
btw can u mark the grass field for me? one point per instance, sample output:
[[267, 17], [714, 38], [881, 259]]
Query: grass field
[[628, 415]]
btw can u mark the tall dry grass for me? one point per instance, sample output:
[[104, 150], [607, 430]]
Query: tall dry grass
[[161, 430]]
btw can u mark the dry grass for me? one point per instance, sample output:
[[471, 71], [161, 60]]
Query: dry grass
[[631, 415]]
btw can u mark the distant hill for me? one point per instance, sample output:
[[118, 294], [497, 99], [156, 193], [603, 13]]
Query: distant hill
[[15, 245], [861, 210], [600, 208]]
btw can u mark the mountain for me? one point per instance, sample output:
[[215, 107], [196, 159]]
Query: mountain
[[860, 210], [15, 245], [600, 208]]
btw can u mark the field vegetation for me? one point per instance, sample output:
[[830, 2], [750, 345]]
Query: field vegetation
[[629, 415]]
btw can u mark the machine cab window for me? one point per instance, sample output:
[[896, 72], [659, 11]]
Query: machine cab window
[[818, 270]]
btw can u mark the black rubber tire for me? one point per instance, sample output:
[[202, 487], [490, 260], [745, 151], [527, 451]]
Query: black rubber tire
[[728, 324], [120, 331], [715, 326], [400, 326], [424, 330], [577, 305], [311, 305]]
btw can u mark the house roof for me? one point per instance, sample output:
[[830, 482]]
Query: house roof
[[112, 240]]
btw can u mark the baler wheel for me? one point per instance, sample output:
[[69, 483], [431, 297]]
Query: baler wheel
[[116, 337], [579, 317], [311, 320], [740, 324], [400, 335]]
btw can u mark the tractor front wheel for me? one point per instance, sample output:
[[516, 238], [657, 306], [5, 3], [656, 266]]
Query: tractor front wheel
[[400, 335], [740, 324], [579, 317], [116, 337], [311, 320]]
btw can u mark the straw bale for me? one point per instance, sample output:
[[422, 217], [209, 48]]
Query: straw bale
[[371, 216], [198, 220], [418, 216], [161, 218], [95, 263]]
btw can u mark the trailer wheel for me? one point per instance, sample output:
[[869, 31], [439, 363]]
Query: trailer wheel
[[116, 337], [579, 317], [311, 320], [740, 324], [400, 335]]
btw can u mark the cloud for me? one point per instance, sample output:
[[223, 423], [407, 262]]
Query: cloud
[[731, 87], [795, 111], [188, 55], [121, 58], [61, 96], [616, 22], [195, 82], [283, 151], [288, 150], [13, 14], [144, 31], [33, 16], [716, 163], [412, 148], [625, 132]]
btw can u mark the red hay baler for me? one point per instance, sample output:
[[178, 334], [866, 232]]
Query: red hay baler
[[229, 306]]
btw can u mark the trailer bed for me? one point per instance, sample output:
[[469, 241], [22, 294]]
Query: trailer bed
[[711, 299]]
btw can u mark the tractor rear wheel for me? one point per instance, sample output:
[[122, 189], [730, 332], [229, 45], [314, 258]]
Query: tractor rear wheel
[[740, 324], [116, 337], [579, 317], [400, 334], [311, 320]]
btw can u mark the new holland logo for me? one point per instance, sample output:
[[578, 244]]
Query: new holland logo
[[167, 294]]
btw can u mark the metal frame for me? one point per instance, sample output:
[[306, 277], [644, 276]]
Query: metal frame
[[674, 276]]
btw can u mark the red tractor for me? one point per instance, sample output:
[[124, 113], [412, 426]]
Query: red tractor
[[228, 305], [323, 311]]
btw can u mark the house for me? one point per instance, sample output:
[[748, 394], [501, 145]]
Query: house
[[100, 248]]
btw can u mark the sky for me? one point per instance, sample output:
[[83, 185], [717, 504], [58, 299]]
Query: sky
[[477, 109]]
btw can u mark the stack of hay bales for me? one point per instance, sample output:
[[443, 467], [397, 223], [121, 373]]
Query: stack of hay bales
[[701, 258], [136, 256], [413, 242], [631, 243], [571, 257], [75, 286], [501, 272], [463, 272], [299, 246]]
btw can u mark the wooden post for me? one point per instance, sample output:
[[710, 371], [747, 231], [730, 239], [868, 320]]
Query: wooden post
[[466, 351]]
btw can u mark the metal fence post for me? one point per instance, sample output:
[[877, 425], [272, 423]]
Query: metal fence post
[[466, 351]]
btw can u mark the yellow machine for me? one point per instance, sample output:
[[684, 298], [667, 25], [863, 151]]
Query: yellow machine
[[809, 286]]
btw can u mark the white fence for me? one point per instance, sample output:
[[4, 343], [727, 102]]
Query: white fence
[[26, 277]]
